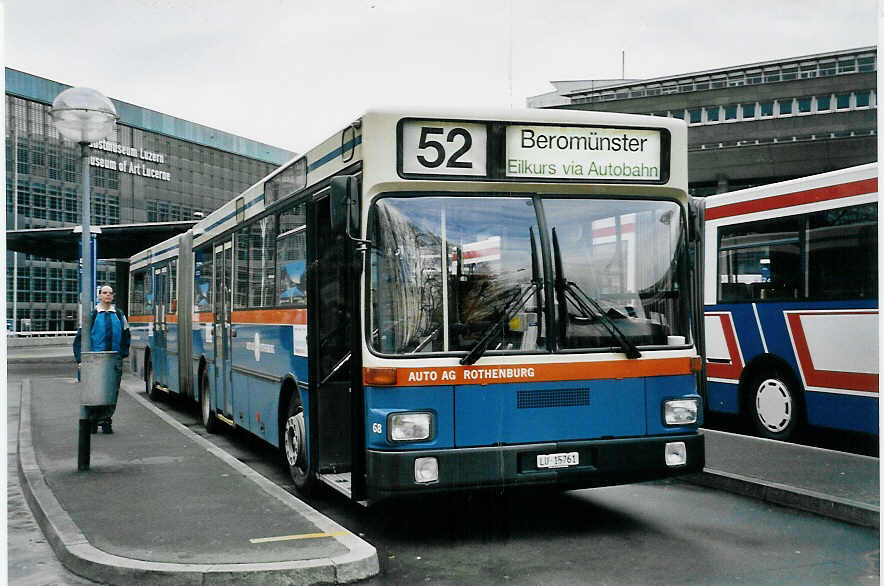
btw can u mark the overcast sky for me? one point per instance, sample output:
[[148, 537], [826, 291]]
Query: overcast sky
[[289, 73]]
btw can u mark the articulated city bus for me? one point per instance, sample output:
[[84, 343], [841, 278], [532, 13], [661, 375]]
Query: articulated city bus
[[433, 301], [791, 303]]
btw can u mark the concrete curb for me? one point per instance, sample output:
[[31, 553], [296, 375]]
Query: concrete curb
[[75, 553], [789, 496]]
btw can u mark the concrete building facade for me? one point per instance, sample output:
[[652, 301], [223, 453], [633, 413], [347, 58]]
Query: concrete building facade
[[757, 123]]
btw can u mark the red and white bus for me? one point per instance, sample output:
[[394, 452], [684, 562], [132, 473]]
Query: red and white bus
[[791, 303]]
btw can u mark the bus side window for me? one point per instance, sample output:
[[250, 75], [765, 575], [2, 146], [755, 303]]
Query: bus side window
[[291, 258], [137, 294], [202, 286], [760, 260], [148, 293], [842, 253], [173, 287]]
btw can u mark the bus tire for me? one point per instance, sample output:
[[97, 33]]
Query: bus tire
[[210, 422], [775, 406], [294, 447], [150, 382]]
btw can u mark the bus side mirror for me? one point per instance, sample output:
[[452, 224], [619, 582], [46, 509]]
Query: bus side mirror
[[344, 205]]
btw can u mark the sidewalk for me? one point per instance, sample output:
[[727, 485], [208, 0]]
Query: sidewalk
[[161, 505], [833, 484]]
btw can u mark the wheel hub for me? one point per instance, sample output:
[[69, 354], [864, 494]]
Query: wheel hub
[[293, 439], [773, 405]]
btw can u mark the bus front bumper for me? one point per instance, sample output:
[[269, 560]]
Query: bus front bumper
[[598, 463]]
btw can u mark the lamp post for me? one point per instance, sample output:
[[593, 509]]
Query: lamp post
[[84, 115]]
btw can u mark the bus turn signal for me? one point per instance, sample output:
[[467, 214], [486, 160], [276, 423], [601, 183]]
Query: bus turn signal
[[379, 377]]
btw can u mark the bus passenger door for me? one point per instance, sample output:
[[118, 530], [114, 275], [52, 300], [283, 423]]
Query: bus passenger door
[[223, 277], [330, 362], [159, 352]]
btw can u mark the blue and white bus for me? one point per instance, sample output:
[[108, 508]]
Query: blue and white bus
[[434, 301], [791, 303]]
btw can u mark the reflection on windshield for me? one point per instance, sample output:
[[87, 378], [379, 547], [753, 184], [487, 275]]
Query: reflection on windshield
[[444, 269], [622, 255], [447, 271]]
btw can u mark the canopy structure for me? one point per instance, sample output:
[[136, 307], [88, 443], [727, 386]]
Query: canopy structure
[[117, 241]]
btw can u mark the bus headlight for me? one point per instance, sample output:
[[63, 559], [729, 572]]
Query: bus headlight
[[680, 411], [410, 427]]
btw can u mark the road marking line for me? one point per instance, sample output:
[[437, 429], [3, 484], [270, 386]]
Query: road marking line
[[293, 537]]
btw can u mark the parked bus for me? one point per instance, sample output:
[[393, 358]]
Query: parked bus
[[434, 301], [791, 303]]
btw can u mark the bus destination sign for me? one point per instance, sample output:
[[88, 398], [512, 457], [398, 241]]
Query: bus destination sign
[[584, 153]]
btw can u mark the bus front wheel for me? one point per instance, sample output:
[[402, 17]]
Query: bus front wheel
[[295, 447], [775, 406], [210, 422]]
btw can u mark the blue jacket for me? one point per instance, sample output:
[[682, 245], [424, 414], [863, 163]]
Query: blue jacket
[[110, 331]]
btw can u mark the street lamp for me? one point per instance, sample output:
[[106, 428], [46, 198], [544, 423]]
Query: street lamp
[[84, 115]]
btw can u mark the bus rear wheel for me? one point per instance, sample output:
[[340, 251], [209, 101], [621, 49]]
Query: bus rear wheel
[[150, 382], [775, 407], [294, 445], [210, 422]]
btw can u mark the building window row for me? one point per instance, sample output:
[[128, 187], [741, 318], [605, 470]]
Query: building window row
[[856, 133], [168, 211], [39, 201], [779, 108], [789, 71]]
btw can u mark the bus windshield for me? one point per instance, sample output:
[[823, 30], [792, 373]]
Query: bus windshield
[[450, 273]]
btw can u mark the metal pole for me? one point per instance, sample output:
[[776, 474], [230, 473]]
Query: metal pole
[[86, 256], [84, 441], [15, 227]]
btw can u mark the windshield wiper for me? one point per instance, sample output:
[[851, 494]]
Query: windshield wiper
[[586, 304], [513, 307]]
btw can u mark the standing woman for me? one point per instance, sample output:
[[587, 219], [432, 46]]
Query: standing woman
[[110, 332]]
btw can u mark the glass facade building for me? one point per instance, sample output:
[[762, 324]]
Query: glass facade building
[[155, 168]]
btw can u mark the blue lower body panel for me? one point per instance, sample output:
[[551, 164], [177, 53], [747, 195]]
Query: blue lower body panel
[[490, 435]]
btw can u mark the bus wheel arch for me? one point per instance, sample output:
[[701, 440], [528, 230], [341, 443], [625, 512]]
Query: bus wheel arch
[[772, 398], [293, 436]]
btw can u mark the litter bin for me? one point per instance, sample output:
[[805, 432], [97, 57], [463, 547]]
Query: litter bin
[[99, 385]]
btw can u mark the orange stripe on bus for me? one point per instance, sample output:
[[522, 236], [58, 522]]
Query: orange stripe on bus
[[270, 316], [501, 374], [139, 318]]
